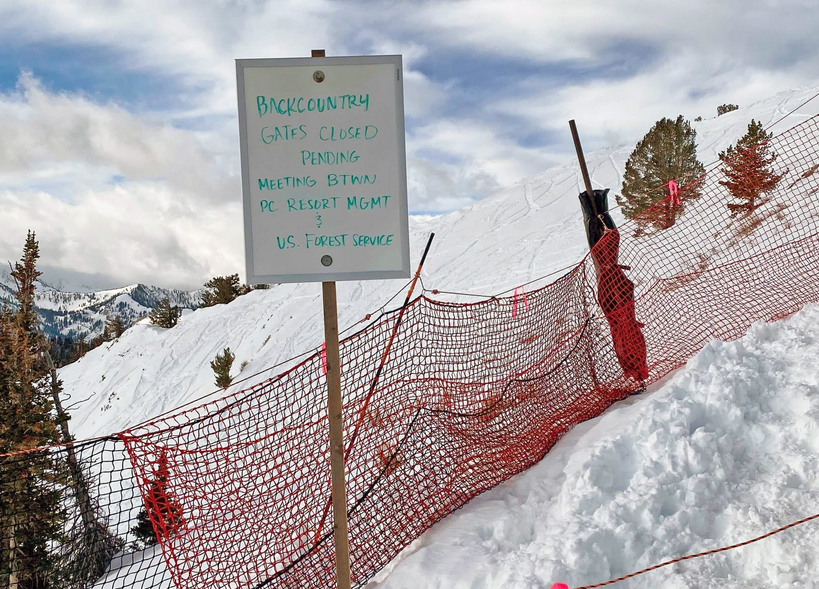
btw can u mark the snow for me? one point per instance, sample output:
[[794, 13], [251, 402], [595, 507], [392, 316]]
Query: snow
[[723, 451]]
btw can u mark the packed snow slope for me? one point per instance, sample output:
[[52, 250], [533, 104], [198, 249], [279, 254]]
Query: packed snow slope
[[523, 233], [725, 451]]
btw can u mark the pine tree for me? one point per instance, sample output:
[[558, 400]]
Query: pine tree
[[747, 168], [223, 289], [161, 509], [31, 484], [726, 108], [144, 530], [165, 315], [114, 328], [25, 274], [667, 152], [221, 366]]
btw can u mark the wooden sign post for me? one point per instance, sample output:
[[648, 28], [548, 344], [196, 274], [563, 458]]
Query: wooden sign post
[[335, 417], [324, 187], [334, 412]]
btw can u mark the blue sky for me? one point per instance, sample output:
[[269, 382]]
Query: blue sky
[[118, 130]]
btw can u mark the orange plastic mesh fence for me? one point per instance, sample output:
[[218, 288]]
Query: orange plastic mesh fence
[[237, 490]]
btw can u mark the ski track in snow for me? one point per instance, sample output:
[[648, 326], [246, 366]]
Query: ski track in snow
[[723, 452]]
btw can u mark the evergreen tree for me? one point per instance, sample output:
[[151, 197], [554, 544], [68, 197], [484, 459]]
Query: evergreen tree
[[223, 289], [726, 108], [747, 168], [25, 274], [160, 508], [31, 513], [221, 366], [165, 315], [114, 328], [667, 152]]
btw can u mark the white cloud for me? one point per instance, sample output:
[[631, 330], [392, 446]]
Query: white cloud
[[193, 43], [478, 146], [172, 217], [72, 164], [68, 136], [611, 112], [768, 32], [135, 233]]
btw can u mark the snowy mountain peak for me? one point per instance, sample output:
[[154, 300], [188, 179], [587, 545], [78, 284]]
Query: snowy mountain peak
[[82, 315]]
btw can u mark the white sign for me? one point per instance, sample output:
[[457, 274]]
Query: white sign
[[323, 168]]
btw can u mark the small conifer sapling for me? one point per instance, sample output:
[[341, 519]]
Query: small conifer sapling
[[161, 510], [165, 315], [223, 289], [221, 366], [114, 328]]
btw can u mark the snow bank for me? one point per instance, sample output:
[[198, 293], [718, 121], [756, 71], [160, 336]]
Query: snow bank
[[725, 451]]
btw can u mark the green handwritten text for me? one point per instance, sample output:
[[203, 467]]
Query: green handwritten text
[[299, 104]]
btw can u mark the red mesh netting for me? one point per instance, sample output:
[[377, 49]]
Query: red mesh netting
[[471, 394]]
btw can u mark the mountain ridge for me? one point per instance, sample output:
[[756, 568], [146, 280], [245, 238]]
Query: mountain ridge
[[82, 315]]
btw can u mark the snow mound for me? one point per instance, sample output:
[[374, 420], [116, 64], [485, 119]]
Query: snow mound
[[723, 452]]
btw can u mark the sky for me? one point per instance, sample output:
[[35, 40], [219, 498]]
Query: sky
[[118, 119]]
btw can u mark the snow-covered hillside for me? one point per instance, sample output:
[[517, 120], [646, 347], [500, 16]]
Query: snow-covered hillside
[[82, 315], [523, 233]]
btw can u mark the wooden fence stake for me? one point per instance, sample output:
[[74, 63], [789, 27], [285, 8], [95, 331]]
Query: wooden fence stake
[[583, 169]]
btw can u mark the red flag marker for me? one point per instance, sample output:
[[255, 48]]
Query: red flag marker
[[674, 193], [515, 302]]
